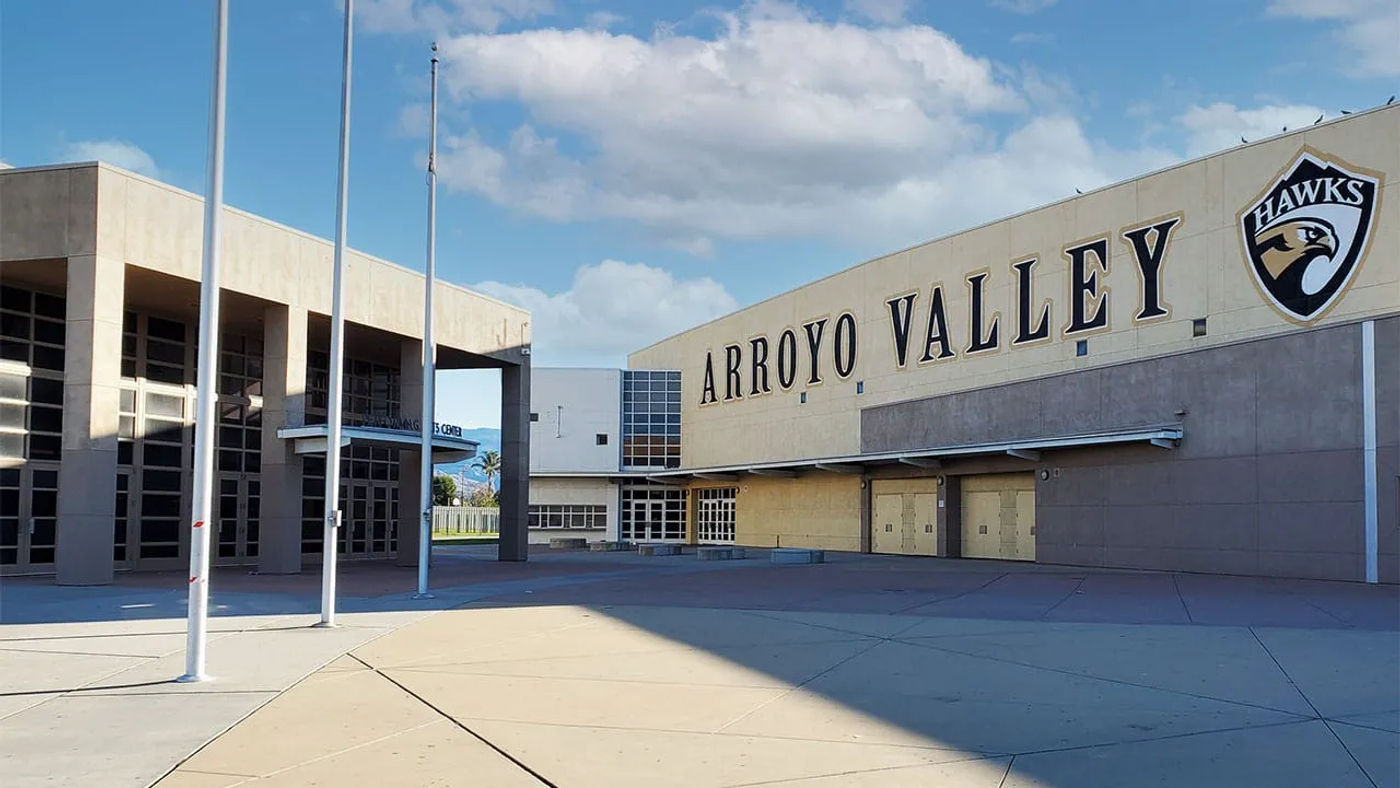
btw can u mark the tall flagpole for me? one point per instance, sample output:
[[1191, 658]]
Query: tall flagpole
[[208, 362], [334, 404], [425, 536]]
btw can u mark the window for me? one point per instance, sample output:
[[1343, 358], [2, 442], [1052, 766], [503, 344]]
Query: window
[[714, 517], [602, 439], [1081, 348], [651, 419], [860, 387], [1198, 327], [534, 417], [569, 515]]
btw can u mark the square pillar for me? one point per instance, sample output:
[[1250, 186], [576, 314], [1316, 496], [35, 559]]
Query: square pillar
[[515, 462], [410, 407], [284, 405], [87, 476]]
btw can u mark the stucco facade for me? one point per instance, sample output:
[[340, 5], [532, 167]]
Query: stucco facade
[[1197, 368], [101, 274]]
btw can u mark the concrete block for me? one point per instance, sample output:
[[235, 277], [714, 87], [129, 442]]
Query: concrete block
[[719, 553], [610, 547], [658, 549], [568, 543], [795, 555]]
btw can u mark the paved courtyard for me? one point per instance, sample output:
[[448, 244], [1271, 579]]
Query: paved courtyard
[[585, 669]]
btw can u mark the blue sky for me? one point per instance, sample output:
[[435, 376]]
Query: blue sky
[[628, 169]]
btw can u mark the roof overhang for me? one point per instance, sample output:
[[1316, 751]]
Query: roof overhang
[[1029, 450], [312, 440]]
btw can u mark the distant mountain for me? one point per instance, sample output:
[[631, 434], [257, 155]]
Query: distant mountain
[[489, 439]]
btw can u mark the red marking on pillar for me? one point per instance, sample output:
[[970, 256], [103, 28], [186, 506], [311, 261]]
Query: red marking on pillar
[[194, 579], [198, 523]]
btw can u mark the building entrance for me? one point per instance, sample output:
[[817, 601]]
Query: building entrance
[[904, 519], [236, 511], [369, 519], [998, 516], [28, 517]]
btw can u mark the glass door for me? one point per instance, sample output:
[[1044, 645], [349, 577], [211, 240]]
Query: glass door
[[28, 517], [236, 515]]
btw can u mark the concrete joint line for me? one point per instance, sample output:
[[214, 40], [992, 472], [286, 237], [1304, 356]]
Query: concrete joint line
[[1325, 723], [795, 688], [1121, 682], [500, 751]]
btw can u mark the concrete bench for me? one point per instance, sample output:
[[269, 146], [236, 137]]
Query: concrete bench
[[719, 553], [568, 543], [795, 555], [658, 549], [610, 547]]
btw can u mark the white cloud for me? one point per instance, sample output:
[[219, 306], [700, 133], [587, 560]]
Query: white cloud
[[117, 152], [611, 309], [1032, 38], [779, 124], [885, 12], [1220, 125], [409, 16], [1022, 6], [1369, 28]]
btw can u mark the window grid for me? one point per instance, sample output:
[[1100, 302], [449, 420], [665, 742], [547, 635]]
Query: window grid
[[31, 374], [651, 419], [714, 516], [569, 515]]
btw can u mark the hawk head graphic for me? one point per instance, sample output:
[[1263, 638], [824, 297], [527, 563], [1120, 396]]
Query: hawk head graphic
[[1305, 234], [1301, 250]]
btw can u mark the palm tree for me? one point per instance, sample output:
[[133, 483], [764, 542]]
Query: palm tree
[[490, 464]]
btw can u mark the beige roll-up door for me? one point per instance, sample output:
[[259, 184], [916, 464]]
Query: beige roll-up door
[[924, 530], [887, 526], [904, 519], [998, 516]]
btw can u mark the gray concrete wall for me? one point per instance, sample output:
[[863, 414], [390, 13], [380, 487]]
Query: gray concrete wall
[[515, 462], [284, 403], [1267, 480], [87, 478]]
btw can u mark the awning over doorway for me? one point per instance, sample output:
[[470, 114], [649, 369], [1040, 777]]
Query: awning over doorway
[[1163, 436], [312, 440]]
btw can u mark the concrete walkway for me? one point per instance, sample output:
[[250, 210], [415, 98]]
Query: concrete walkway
[[864, 672], [585, 669]]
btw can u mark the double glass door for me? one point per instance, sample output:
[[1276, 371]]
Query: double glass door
[[28, 517], [236, 512], [649, 521], [369, 519]]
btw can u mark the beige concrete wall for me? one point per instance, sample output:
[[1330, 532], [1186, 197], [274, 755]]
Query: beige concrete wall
[[576, 490], [545, 490], [820, 510], [85, 209], [1205, 274]]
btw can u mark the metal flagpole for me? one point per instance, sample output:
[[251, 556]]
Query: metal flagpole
[[208, 365], [334, 398], [425, 536]]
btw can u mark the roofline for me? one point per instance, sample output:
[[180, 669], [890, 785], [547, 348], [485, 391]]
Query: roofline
[[1009, 217], [102, 165]]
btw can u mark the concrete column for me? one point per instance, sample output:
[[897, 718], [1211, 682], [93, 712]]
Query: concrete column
[[284, 404], [515, 462], [87, 477], [410, 407]]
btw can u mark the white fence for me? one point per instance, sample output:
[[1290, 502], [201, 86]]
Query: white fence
[[465, 520]]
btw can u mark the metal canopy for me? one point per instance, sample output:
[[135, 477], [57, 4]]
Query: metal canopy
[[1030, 449], [312, 440]]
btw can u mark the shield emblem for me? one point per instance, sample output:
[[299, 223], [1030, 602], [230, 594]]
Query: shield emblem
[[1305, 235]]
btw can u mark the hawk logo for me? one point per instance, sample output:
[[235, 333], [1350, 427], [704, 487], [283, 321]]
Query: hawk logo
[[1305, 235]]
